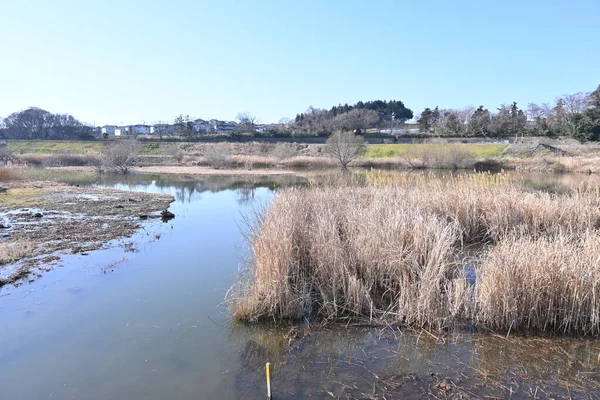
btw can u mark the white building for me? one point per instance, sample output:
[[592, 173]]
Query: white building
[[108, 130], [161, 129], [202, 127], [122, 131], [140, 129], [221, 126]]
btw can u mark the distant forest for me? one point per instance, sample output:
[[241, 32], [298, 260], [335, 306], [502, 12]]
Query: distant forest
[[35, 123], [576, 115]]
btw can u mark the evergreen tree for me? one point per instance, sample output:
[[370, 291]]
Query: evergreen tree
[[425, 119], [479, 125]]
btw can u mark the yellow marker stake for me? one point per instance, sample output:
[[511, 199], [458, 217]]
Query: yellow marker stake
[[268, 371]]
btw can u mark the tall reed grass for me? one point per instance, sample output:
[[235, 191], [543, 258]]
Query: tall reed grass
[[391, 251], [541, 284]]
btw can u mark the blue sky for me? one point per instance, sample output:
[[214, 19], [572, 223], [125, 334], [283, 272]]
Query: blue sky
[[125, 62]]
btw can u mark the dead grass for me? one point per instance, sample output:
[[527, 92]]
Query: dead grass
[[588, 165], [9, 174], [545, 284], [57, 159], [393, 250], [10, 252], [255, 161]]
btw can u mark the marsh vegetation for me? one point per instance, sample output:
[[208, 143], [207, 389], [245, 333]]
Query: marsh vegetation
[[480, 250]]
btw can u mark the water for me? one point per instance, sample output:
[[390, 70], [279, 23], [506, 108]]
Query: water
[[145, 320]]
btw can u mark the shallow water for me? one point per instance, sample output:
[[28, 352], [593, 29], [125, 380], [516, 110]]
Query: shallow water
[[144, 320]]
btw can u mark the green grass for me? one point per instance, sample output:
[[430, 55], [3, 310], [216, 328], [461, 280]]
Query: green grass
[[76, 147], [156, 149], [55, 146], [396, 150]]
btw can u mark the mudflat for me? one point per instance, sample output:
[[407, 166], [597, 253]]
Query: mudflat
[[40, 221]]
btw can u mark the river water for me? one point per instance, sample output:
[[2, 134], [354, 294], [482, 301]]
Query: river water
[[145, 320]]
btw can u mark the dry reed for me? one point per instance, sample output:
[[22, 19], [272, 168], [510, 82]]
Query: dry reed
[[541, 284], [11, 252], [390, 251], [9, 174]]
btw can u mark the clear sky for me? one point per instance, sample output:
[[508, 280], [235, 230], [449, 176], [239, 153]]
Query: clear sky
[[130, 61]]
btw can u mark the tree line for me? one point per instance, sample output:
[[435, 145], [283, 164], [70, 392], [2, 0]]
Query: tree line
[[35, 123], [357, 117], [576, 115]]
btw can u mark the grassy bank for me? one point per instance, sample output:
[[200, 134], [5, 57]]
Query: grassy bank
[[262, 155], [399, 150], [400, 250], [54, 146]]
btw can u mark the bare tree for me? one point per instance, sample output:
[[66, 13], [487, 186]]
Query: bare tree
[[122, 156], [576, 103], [314, 120], [356, 120], [247, 122], [345, 147]]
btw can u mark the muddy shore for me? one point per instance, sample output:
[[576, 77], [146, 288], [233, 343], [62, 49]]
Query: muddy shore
[[41, 221], [186, 170]]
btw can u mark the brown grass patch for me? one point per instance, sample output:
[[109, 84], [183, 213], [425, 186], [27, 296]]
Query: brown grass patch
[[541, 284], [394, 250], [11, 252], [9, 174]]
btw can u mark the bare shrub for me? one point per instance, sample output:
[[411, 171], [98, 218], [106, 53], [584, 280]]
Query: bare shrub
[[345, 147], [122, 156], [284, 150], [98, 164], [217, 155], [6, 156], [438, 156], [178, 153], [418, 157], [453, 157]]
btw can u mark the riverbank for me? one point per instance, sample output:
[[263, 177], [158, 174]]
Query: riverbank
[[40, 221], [186, 170], [531, 155]]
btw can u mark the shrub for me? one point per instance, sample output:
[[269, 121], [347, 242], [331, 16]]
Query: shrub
[[345, 147], [122, 156], [6, 157], [439, 156], [217, 155], [284, 150]]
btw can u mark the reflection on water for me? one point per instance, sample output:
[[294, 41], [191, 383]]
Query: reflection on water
[[149, 324]]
